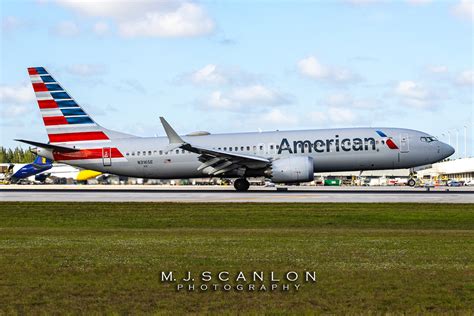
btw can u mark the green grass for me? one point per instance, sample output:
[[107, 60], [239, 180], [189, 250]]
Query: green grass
[[107, 257]]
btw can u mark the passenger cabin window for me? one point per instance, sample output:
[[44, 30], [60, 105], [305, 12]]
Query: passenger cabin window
[[271, 146], [144, 153], [127, 154], [261, 147], [138, 153], [161, 152], [225, 148], [177, 151], [230, 148], [149, 152], [242, 148], [248, 148]]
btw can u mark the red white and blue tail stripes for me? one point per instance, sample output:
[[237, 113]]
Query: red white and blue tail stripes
[[64, 119], [67, 123]]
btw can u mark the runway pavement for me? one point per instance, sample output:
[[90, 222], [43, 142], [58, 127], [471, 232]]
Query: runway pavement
[[298, 194]]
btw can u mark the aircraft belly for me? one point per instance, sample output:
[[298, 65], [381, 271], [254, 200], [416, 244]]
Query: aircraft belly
[[179, 170], [158, 168], [346, 162]]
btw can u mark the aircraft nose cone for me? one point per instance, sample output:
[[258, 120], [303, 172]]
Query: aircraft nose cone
[[447, 150]]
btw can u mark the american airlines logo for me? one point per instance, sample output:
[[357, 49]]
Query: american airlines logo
[[333, 144]]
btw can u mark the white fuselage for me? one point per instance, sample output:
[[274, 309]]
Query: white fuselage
[[331, 150]]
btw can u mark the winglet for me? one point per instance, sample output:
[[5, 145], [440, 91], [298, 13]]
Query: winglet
[[173, 137]]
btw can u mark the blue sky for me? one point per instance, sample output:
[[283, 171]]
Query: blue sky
[[243, 65]]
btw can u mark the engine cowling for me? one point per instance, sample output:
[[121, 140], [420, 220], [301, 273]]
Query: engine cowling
[[292, 169]]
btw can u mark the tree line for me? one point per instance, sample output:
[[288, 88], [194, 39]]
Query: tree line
[[17, 155]]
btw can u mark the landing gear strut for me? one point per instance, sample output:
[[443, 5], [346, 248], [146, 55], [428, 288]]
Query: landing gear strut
[[241, 184]]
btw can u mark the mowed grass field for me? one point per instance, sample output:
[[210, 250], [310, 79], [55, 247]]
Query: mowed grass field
[[108, 257]]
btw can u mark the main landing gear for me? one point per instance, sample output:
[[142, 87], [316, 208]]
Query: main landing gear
[[241, 184]]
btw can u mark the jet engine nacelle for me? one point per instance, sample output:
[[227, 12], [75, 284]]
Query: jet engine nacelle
[[292, 169]]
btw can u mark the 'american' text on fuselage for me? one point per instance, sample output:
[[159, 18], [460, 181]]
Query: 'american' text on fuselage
[[328, 145]]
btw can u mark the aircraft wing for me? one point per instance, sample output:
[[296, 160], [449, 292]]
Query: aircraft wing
[[214, 162]]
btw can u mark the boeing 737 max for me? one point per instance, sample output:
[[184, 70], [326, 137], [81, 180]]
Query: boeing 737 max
[[282, 156]]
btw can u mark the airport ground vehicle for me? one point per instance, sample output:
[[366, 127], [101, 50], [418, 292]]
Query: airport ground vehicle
[[469, 182]]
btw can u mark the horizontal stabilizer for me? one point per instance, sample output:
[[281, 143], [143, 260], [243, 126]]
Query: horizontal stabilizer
[[48, 146]]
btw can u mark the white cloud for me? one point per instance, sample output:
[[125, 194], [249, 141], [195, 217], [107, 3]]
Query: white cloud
[[311, 67], [334, 114], [362, 2], [464, 9], [13, 111], [318, 116], [11, 23], [411, 89], [213, 74], [148, 18], [188, 20], [101, 28], [209, 74], [131, 85], [218, 101], [255, 95], [19, 94], [466, 78], [118, 9], [277, 116], [86, 70], [341, 115], [367, 2], [419, 2], [414, 94], [342, 99], [67, 29], [339, 99], [437, 69]]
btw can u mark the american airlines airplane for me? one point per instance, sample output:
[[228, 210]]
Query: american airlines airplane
[[281, 156]]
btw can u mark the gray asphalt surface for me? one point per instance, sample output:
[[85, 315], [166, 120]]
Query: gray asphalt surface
[[227, 194]]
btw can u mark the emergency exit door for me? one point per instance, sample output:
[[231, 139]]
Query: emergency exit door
[[107, 156], [404, 143]]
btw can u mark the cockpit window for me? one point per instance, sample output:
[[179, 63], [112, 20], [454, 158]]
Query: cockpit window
[[428, 139]]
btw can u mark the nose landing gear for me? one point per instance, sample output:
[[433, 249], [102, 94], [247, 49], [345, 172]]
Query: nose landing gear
[[241, 185]]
